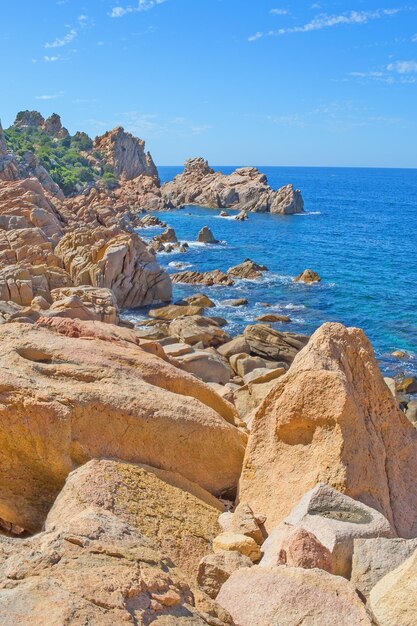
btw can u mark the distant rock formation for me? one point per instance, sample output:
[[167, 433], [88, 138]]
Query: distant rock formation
[[33, 119], [8, 164], [246, 189], [125, 154]]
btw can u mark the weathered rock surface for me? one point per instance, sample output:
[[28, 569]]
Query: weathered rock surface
[[214, 277], [198, 329], [125, 154], [177, 515], [206, 236], [116, 260], [94, 568], [295, 547], [237, 542], [68, 400], [8, 165], [335, 520], [374, 558], [289, 596], [332, 419], [248, 269], [272, 344], [96, 304], [172, 311], [308, 277], [393, 600], [245, 189], [215, 569], [206, 365]]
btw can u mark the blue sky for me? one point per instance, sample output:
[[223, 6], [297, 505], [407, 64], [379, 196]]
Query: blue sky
[[265, 82]]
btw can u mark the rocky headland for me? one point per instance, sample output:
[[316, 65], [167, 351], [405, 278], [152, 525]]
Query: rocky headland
[[167, 471]]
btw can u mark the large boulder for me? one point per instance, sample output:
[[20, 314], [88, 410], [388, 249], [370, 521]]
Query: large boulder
[[96, 304], [197, 329], [177, 515], [332, 419], [393, 600], [289, 596], [92, 392], [213, 277], [117, 260]]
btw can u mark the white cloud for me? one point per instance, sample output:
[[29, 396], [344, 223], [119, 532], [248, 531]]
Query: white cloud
[[51, 59], [414, 38], [142, 5], [256, 36], [324, 20], [403, 67], [279, 12], [53, 96], [64, 41]]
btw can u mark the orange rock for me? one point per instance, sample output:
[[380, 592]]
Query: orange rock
[[332, 419]]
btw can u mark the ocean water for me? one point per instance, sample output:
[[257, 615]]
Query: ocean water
[[359, 233]]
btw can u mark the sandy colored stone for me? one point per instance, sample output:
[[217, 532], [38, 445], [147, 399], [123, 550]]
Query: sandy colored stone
[[308, 277], [289, 596], [273, 317], [197, 329], [213, 277], [393, 600], [117, 260], [206, 236], [66, 400], [172, 311], [198, 299], [332, 419], [247, 270], [237, 345], [243, 521], [237, 542], [269, 343], [205, 365], [178, 515], [215, 569], [96, 569], [374, 558], [125, 154]]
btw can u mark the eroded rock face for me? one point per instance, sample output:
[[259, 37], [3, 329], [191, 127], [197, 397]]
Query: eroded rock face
[[289, 596], [116, 260], [248, 269], [125, 154], [177, 515], [91, 303], [66, 400], [95, 568], [245, 189], [332, 419], [269, 343], [214, 277]]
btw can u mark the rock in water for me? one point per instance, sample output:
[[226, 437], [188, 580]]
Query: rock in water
[[332, 419], [246, 189], [308, 277], [248, 269], [206, 236], [67, 400]]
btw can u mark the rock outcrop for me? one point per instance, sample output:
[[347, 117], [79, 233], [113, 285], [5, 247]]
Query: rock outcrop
[[8, 165], [269, 343], [213, 277], [125, 154], [246, 189], [66, 400], [332, 419], [116, 260]]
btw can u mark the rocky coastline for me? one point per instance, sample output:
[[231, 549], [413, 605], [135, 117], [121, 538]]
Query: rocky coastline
[[168, 471]]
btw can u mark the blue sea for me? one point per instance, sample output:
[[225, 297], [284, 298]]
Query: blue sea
[[359, 233]]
